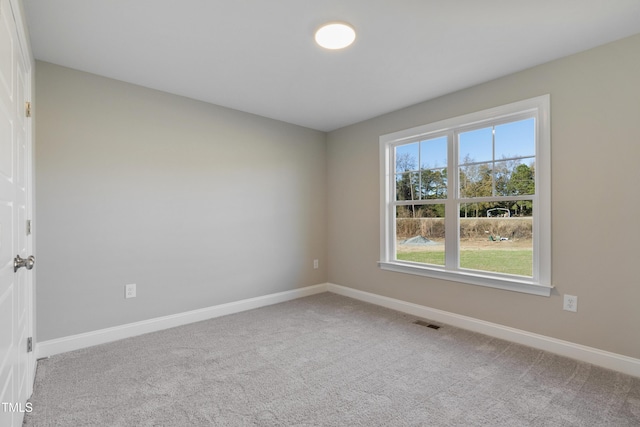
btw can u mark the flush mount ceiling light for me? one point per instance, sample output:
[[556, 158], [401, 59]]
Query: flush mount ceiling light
[[335, 35]]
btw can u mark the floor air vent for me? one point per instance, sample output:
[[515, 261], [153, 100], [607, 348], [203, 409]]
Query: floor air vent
[[427, 324]]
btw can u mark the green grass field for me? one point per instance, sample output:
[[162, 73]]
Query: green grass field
[[518, 262]]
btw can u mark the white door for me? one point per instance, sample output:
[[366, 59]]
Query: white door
[[16, 362]]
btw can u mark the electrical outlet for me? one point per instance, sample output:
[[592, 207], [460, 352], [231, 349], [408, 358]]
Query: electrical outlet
[[130, 290], [315, 263], [570, 303]]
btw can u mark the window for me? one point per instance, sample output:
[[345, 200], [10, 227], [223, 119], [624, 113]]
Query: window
[[468, 199]]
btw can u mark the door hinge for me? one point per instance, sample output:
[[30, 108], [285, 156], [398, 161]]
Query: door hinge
[[29, 345], [28, 227], [27, 109]]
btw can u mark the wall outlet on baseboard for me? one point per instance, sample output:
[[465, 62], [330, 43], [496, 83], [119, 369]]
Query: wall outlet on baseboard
[[570, 303], [130, 290]]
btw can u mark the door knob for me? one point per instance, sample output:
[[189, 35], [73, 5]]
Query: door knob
[[26, 263]]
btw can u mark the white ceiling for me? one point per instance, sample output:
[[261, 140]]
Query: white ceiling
[[259, 56]]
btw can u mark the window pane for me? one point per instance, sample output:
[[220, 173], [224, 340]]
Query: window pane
[[515, 139], [476, 180], [420, 234], [407, 157], [408, 186], [476, 145], [434, 183], [501, 174], [433, 153], [515, 178], [497, 237]]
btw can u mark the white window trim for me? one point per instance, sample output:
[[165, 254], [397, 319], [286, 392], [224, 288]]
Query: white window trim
[[540, 283]]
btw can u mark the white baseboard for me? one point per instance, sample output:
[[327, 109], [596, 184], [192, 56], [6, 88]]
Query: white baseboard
[[617, 362], [102, 336], [605, 359]]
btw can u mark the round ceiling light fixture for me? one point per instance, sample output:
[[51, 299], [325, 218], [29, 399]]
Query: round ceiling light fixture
[[335, 35]]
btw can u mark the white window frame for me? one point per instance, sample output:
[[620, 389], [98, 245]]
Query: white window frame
[[540, 282]]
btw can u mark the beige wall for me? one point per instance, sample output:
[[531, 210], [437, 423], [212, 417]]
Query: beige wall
[[198, 205], [595, 131]]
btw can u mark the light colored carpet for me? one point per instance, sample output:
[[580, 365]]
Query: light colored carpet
[[325, 360]]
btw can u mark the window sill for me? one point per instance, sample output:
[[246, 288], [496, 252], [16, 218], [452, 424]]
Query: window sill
[[507, 283]]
